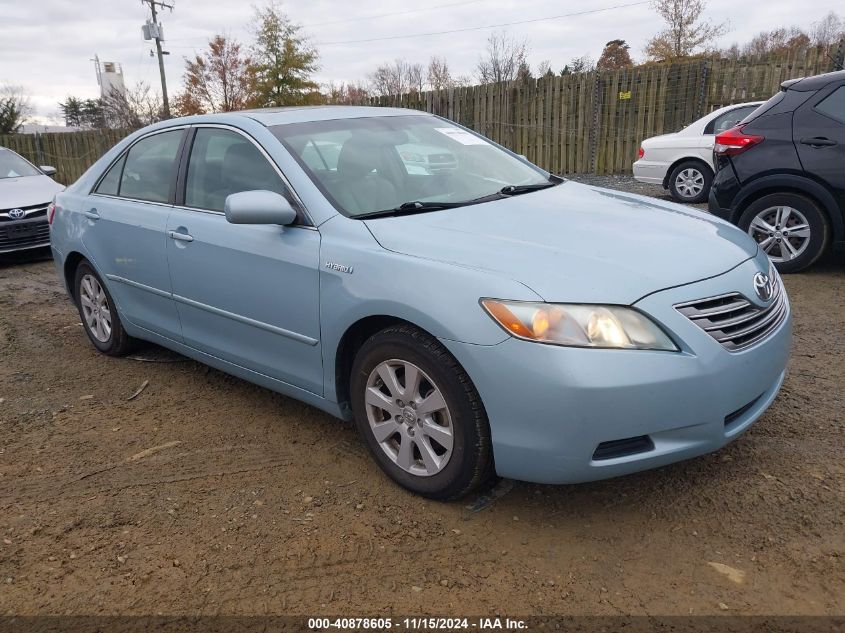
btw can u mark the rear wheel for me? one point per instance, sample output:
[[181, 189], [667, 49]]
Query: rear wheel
[[790, 228], [99, 314], [420, 415], [690, 182]]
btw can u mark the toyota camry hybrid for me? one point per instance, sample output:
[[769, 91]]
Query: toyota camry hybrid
[[489, 318]]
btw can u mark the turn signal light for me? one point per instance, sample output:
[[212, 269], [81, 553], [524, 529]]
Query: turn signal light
[[640, 153], [734, 141], [51, 212]]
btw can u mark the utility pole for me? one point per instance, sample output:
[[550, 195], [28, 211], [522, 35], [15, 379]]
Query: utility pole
[[153, 31]]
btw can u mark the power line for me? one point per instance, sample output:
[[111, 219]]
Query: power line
[[386, 15], [487, 26]]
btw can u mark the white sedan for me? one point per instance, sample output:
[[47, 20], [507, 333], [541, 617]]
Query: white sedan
[[683, 161]]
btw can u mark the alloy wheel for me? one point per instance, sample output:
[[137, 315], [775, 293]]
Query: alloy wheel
[[95, 308], [782, 232], [689, 182], [409, 417]]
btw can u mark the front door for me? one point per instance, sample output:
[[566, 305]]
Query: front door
[[248, 294], [124, 231]]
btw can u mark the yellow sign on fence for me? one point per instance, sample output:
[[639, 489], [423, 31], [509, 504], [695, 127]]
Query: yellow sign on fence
[[624, 95]]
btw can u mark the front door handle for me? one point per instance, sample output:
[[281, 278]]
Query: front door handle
[[92, 214], [818, 141], [182, 237]]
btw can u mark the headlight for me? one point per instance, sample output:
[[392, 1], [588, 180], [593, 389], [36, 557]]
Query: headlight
[[579, 325]]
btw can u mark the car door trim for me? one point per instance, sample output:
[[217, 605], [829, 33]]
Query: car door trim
[[183, 177], [296, 336], [246, 320]]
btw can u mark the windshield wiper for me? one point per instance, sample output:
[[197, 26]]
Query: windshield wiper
[[409, 208], [515, 190]]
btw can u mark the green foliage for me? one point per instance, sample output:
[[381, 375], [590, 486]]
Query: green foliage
[[283, 61]]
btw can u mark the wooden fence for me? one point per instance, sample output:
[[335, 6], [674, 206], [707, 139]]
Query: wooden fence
[[584, 123], [71, 153]]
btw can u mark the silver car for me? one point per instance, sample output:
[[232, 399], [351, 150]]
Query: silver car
[[25, 193]]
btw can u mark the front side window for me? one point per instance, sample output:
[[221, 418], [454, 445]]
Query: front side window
[[13, 166], [224, 162], [150, 164], [372, 164], [834, 105]]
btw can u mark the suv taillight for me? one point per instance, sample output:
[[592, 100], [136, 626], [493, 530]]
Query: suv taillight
[[640, 153], [735, 141], [51, 212]]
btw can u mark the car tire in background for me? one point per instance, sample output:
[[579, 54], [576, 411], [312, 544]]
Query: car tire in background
[[792, 245], [690, 182], [98, 313], [420, 415]]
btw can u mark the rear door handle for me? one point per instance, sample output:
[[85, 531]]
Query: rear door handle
[[818, 141], [182, 237], [92, 214]]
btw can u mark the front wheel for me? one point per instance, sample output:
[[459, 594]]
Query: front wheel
[[790, 228], [420, 415]]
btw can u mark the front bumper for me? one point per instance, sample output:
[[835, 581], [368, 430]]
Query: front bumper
[[551, 407]]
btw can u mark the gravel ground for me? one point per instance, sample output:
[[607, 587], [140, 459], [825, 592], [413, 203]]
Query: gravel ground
[[207, 495]]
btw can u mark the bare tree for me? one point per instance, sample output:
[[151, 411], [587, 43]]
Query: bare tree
[[545, 68], [776, 40], [132, 108], [685, 33], [15, 108], [583, 64], [828, 31], [439, 76], [345, 94], [502, 59], [397, 78]]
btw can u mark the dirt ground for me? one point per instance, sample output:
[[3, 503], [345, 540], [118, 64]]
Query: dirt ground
[[208, 495]]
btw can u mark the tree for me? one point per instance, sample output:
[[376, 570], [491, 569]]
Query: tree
[[132, 108], [71, 110], [15, 108], [345, 94], [776, 40], [438, 76], [685, 31], [614, 56], [583, 64], [523, 73], [284, 61], [545, 69], [828, 31], [221, 79], [85, 113], [396, 78], [502, 58]]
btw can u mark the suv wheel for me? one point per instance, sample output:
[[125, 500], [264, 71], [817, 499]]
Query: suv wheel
[[420, 415], [690, 182], [790, 228], [99, 314]]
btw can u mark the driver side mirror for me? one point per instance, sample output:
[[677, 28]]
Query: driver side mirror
[[47, 170], [258, 207]]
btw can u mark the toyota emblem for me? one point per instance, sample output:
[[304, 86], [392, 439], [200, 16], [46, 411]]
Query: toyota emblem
[[17, 214], [763, 286]]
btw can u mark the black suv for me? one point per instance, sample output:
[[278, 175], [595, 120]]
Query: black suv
[[781, 172]]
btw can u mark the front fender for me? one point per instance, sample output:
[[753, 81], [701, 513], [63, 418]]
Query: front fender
[[438, 297]]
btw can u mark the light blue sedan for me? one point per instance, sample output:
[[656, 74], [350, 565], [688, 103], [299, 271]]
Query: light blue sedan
[[487, 319]]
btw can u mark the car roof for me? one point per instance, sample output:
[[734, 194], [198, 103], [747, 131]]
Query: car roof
[[806, 84], [299, 114]]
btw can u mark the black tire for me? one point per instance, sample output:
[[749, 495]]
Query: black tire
[[470, 465], [118, 343], [700, 168], [816, 219]]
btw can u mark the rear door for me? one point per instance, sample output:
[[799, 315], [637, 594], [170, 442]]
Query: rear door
[[819, 135], [248, 294], [124, 230]]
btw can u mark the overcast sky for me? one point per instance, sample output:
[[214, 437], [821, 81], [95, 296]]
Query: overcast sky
[[46, 45]]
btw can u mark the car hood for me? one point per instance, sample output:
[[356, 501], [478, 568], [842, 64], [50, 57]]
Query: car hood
[[27, 191], [574, 242]]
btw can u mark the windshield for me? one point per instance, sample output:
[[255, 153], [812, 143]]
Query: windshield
[[13, 166], [367, 165]]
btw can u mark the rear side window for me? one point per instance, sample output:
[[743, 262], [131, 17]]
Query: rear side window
[[110, 184], [224, 162], [150, 164], [728, 120], [834, 105]]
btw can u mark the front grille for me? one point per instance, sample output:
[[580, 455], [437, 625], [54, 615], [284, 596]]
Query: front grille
[[32, 212], [24, 235], [623, 448], [733, 320]]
